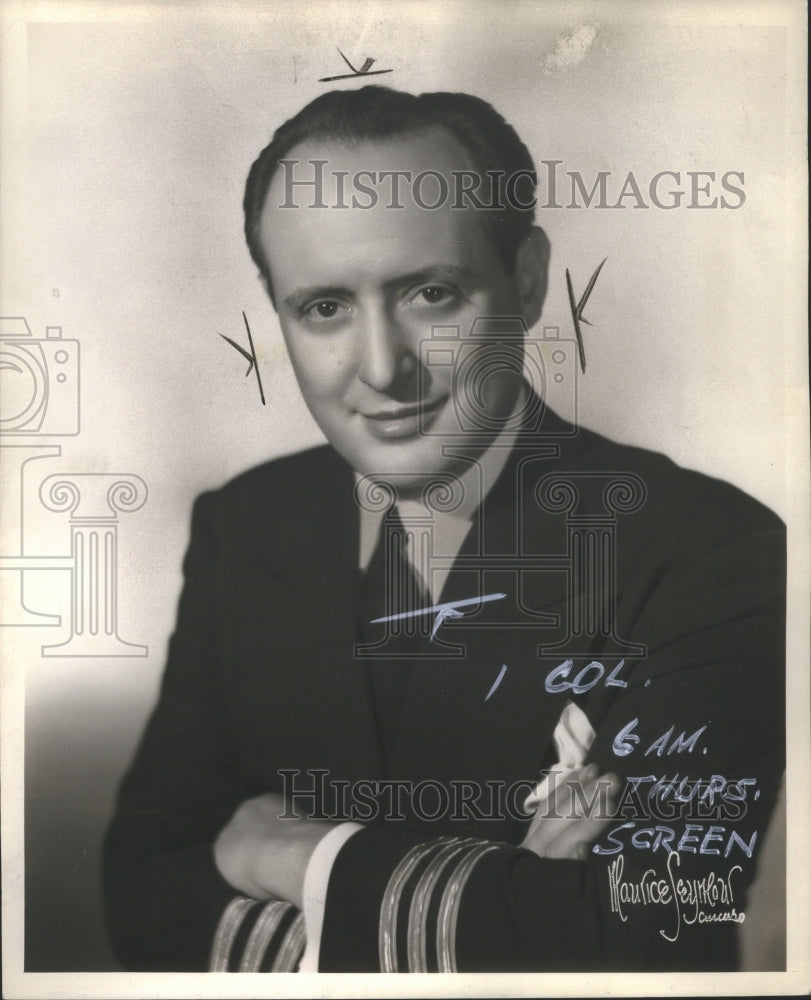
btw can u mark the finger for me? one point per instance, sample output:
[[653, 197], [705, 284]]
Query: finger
[[554, 779], [554, 809], [587, 815], [572, 799], [560, 808], [581, 833], [547, 788]]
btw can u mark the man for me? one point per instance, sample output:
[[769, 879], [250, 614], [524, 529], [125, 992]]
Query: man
[[461, 593]]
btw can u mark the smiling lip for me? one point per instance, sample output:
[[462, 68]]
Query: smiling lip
[[404, 421]]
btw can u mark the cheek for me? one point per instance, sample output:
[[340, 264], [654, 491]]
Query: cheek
[[323, 366], [424, 344]]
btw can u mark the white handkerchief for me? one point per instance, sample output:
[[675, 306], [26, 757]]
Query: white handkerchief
[[573, 736]]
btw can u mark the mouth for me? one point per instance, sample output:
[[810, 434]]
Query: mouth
[[403, 421]]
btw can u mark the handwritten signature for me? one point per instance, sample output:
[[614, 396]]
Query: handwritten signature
[[693, 900]]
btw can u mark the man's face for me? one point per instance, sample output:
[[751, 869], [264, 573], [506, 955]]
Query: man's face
[[358, 289]]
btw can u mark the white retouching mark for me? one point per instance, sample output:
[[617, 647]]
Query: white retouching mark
[[570, 49], [497, 681]]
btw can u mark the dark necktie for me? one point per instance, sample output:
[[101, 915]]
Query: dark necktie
[[389, 587]]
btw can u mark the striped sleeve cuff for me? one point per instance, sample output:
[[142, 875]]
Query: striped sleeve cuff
[[420, 907], [258, 936], [408, 899]]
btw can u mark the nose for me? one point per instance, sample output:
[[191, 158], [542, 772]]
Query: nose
[[385, 357]]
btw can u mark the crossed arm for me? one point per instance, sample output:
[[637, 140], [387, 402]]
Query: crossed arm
[[263, 856]]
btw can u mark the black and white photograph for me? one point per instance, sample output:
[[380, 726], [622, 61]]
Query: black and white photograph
[[404, 546]]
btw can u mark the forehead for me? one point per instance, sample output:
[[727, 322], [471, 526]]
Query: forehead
[[353, 227]]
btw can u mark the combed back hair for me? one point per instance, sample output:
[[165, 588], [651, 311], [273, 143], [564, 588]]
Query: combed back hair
[[372, 113]]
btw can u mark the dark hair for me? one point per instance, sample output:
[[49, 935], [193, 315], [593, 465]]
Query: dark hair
[[383, 113]]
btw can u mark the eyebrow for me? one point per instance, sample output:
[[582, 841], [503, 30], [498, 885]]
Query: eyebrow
[[434, 272]]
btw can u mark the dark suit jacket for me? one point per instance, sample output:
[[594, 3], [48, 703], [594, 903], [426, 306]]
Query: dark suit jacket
[[261, 677]]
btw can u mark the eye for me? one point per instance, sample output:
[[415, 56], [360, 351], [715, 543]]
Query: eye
[[324, 310], [434, 294]]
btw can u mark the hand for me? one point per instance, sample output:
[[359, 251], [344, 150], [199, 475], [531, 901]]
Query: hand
[[566, 824], [261, 855]]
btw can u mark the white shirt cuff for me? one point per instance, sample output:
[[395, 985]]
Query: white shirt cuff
[[316, 880]]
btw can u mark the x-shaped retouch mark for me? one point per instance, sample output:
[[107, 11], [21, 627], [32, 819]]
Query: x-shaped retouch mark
[[250, 357], [363, 71], [577, 310]]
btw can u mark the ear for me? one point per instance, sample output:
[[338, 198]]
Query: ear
[[532, 273]]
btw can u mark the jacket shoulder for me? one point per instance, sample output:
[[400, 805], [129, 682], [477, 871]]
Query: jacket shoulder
[[294, 485], [673, 492], [301, 470]]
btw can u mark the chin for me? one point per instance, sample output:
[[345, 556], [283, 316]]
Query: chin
[[409, 469]]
